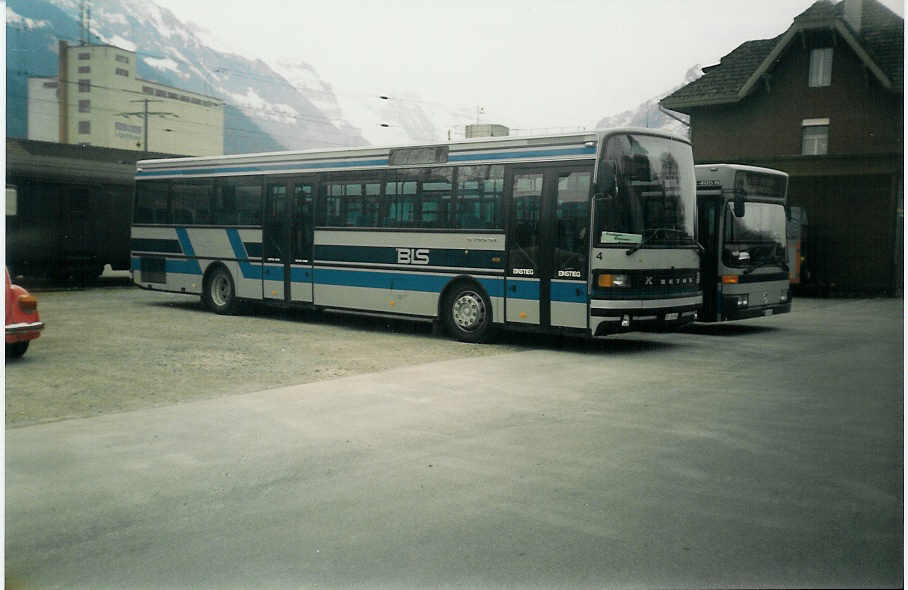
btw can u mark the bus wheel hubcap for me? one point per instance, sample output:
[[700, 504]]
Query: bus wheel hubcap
[[468, 311], [220, 290]]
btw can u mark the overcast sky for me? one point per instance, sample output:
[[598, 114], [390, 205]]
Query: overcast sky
[[529, 63]]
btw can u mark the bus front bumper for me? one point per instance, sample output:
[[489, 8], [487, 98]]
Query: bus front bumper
[[660, 315], [731, 313]]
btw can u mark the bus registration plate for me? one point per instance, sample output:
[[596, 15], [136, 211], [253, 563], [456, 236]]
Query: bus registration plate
[[767, 312], [671, 316]]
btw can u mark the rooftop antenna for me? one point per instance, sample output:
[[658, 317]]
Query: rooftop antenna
[[85, 23]]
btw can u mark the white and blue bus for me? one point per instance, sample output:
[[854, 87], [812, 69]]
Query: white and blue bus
[[587, 233], [742, 226]]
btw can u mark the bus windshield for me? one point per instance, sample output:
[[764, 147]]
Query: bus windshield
[[756, 239], [647, 192]]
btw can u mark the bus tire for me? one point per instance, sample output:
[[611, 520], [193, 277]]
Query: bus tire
[[468, 313], [219, 294]]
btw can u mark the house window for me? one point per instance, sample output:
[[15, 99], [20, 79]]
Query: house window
[[84, 106], [148, 90], [123, 59], [84, 69], [84, 56], [84, 85], [820, 67], [122, 72], [814, 137], [84, 127]]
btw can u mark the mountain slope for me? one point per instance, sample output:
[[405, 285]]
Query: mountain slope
[[648, 114]]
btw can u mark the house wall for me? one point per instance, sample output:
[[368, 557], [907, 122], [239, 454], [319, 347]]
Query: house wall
[[864, 118], [850, 194]]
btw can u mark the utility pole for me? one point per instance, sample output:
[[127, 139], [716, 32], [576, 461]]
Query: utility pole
[[145, 114]]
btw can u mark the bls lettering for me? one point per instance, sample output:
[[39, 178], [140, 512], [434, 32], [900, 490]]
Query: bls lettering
[[412, 256]]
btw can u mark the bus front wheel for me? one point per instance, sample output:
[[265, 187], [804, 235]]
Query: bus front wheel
[[219, 294], [468, 314]]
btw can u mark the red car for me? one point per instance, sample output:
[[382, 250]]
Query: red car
[[22, 322]]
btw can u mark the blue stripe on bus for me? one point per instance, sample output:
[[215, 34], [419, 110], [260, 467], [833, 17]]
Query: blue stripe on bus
[[523, 290], [396, 281], [567, 292], [185, 266], [300, 275], [249, 270], [452, 257], [174, 265], [582, 151]]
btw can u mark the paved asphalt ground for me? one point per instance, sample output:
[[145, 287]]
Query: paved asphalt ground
[[763, 453]]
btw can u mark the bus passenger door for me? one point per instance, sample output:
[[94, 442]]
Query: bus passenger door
[[287, 240], [546, 280], [570, 247], [525, 301], [709, 211]]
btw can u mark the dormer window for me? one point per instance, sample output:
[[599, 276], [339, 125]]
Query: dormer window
[[820, 67]]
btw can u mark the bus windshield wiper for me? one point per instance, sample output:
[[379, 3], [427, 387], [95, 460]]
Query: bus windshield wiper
[[651, 233]]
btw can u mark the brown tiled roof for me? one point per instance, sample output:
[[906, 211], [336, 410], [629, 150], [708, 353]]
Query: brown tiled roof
[[881, 36], [721, 82]]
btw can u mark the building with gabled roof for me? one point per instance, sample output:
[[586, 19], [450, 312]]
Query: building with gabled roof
[[822, 101]]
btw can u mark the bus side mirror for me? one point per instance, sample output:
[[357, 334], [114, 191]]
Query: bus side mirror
[[608, 181], [739, 205]]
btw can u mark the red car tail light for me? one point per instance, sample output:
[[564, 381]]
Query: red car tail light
[[28, 303]]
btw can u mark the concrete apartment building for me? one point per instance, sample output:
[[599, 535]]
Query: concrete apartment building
[[97, 100]]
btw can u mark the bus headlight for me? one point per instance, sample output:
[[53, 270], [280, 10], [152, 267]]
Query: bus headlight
[[783, 296], [743, 301], [613, 280]]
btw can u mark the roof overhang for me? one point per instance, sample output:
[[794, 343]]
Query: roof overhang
[[832, 24], [829, 24]]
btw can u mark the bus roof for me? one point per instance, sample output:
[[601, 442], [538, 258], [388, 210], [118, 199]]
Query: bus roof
[[484, 150], [744, 167]]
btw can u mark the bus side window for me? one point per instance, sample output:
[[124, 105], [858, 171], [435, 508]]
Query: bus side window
[[479, 196]]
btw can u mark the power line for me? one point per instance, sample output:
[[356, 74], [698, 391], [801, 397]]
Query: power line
[[281, 80], [184, 122]]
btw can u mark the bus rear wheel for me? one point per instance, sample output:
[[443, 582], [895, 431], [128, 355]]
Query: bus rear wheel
[[468, 314], [219, 294]]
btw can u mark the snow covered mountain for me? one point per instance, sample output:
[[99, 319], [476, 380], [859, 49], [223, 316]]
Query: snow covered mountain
[[264, 110], [401, 118], [270, 106], [648, 114]]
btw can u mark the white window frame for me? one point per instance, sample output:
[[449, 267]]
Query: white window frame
[[820, 73], [815, 145]]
